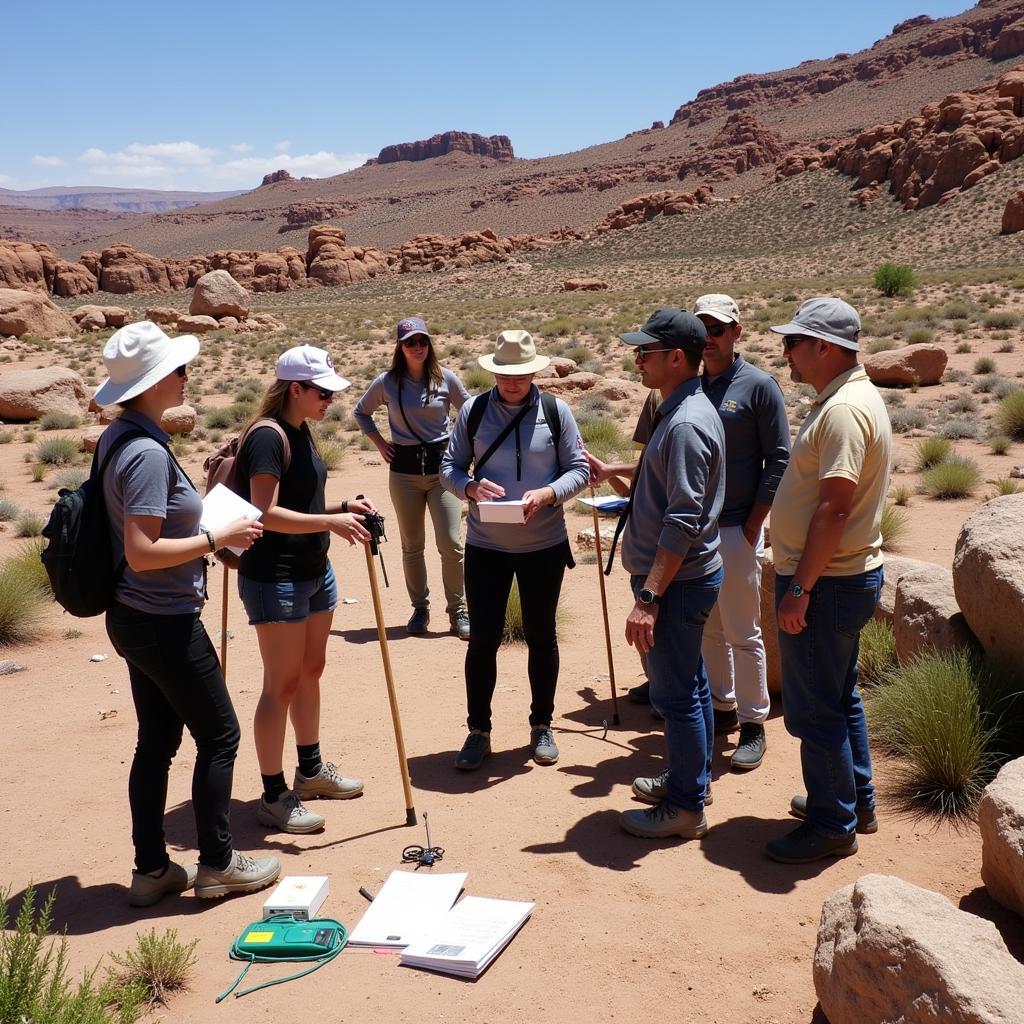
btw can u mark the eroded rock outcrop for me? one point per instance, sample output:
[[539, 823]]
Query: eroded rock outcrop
[[1001, 823], [24, 312], [1013, 214], [28, 394], [498, 147], [331, 261], [922, 365], [218, 294], [926, 616], [654, 204]]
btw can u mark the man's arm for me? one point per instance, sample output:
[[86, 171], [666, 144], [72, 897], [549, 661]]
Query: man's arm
[[640, 621]]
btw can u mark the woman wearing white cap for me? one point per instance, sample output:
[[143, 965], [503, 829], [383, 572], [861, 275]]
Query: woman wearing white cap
[[419, 394], [523, 446], [287, 585], [154, 621]]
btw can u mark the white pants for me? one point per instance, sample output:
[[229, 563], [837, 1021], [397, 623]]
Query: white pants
[[733, 649]]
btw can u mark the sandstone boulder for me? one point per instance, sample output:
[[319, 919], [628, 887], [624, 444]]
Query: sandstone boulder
[[123, 269], [163, 315], [29, 394], [70, 279], [915, 364], [926, 615], [584, 284], [890, 951], [218, 294], [96, 318], [23, 312], [563, 366], [22, 266], [585, 538], [1013, 214], [198, 324], [181, 419], [1001, 822], [91, 436], [330, 261], [988, 575], [894, 569]]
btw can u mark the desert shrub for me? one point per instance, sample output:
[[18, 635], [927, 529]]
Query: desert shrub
[[964, 402], [959, 427], [1006, 346], [986, 383], [218, 419], [28, 525], [71, 478], [8, 510], [901, 495], [1010, 415], [931, 451], [331, 453], [893, 279], [513, 632], [957, 309], [335, 413], [893, 526], [57, 451], [920, 336], [1006, 485], [881, 345], [477, 380], [59, 421], [593, 405], [903, 420], [159, 964], [6, 436], [1002, 388], [21, 604], [877, 651], [602, 436], [955, 478], [26, 564], [1000, 320], [893, 399], [985, 364], [1000, 444]]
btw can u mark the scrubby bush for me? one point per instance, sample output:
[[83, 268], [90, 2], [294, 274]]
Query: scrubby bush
[[901, 495], [477, 380], [877, 652], [602, 436], [8, 510], [893, 526], [903, 420], [959, 427], [21, 602], [893, 279], [1006, 485], [1000, 320], [59, 421], [28, 525], [985, 364], [955, 478], [159, 965], [57, 451], [920, 336], [1010, 415], [1000, 444], [331, 453], [931, 451], [71, 479], [26, 564]]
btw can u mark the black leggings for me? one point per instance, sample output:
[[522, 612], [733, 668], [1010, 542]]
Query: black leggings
[[176, 682], [488, 583]]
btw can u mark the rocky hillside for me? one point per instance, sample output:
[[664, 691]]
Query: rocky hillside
[[114, 200], [498, 147]]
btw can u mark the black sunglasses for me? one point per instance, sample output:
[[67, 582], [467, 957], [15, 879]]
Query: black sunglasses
[[716, 330], [790, 341], [416, 341], [181, 371], [325, 396]]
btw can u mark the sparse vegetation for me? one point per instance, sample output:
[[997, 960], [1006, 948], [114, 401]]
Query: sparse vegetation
[[957, 477], [59, 421], [894, 526], [984, 365], [877, 651], [159, 965], [893, 279], [1000, 444], [931, 451], [1010, 415], [29, 525], [57, 451]]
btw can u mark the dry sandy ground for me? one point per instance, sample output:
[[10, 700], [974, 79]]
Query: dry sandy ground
[[623, 928]]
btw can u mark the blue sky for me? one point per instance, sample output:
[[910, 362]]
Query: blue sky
[[213, 95]]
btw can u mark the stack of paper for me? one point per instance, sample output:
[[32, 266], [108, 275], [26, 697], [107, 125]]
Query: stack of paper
[[468, 937], [222, 506], [408, 905]]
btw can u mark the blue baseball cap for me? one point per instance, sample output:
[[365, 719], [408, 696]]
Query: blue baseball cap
[[673, 327], [409, 326]]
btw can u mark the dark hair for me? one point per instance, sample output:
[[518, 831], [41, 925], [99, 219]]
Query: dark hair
[[692, 358], [398, 368]]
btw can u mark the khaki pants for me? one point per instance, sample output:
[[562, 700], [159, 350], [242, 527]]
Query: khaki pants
[[412, 496]]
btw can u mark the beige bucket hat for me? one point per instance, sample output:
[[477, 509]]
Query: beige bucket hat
[[515, 355]]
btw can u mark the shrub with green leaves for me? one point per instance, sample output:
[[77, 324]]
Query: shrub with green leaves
[[477, 380], [57, 451], [920, 336], [1010, 415], [1006, 485], [159, 964], [955, 478], [602, 436], [1000, 444], [59, 421], [29, 525], [331, 452], [931, 451], [1000, 320], [893, 279], [877, 652], [27, 565], [984, 364]]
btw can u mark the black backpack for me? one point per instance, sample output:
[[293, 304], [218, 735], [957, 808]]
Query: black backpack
[[79, 557]]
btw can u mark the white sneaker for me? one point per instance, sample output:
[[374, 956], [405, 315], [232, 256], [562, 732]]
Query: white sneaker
[[243, 874], [328, 784], [286, 814]]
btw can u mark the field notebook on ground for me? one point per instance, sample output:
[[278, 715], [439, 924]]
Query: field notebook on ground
[[408, 905], [468, 937]]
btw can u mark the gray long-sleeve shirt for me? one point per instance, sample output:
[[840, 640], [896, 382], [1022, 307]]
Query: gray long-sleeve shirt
[[753, 412], [566, 472], [426, 409], [680, 488]]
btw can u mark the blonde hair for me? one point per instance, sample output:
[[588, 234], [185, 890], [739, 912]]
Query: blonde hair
[[272, 407]]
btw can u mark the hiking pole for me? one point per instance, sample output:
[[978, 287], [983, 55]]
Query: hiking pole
[[224, 627], [604, 607], [375, 524]]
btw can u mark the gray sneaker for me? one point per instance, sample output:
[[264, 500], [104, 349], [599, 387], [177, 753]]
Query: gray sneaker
[[542, 740], [286, 814], [329, 784], [664, 821], [749, 752], [243, 874], [147, 890], [653, 790]]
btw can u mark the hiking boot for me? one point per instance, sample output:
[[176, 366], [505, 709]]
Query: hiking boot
[[542, 740], [286, 814], [243, 874], [664, 821], [417, 625], [147, 889], [328, 784], [867, 822], [749, 752], [460, 625], [473, 752], [806, 844], [725, 721], [641, 694], [653, 790]]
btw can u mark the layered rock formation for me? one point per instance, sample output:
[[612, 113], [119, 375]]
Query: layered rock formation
[[497, 147], [276, 176], [654, 204]]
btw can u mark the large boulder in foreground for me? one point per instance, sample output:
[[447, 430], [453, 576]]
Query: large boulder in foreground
[[218, 294], [988, 575], [926, 616], [33, 312], [902, 367], [1001, 822], [894, 568], [29, 394], [890, 951]]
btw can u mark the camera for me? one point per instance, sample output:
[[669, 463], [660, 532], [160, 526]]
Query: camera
[[374, 523]]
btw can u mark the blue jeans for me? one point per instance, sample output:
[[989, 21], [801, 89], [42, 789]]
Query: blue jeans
[[268, 601], [821, 704], [679, 685]]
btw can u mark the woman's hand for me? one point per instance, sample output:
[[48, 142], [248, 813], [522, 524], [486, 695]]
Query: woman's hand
[[534, 501], [349, 526], [362, 505], [484, 490], [386, 449], [241, 533]]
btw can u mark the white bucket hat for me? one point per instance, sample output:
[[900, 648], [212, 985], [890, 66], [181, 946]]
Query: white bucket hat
[[139, 355], [311, 365], [515, 355]]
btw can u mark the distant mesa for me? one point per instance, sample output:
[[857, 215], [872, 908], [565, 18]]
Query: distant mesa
[[276, 176], [497, 147]]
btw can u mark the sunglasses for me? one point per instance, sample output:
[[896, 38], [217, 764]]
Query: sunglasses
[[790, 341], [416, 341], [181, 371], [716, 330], [642, 353], [324, 395]]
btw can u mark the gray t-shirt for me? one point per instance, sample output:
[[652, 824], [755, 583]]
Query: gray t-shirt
[[424, 409], [143, 480]]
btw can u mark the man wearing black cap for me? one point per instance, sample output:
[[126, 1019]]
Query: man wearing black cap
[[670, 549], [827, 542]]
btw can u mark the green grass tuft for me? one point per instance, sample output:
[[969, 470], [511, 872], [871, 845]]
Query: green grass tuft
[[877, 652], [956, 478], [931, 451], [159, 965], [1010, 415]]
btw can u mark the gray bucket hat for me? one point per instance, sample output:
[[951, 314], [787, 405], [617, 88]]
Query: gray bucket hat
[[827, 318]]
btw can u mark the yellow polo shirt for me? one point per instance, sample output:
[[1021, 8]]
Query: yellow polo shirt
[[847, 434]]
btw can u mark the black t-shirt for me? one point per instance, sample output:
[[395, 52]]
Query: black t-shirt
[[285, 556]]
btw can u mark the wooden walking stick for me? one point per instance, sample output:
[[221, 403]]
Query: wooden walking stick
[[604, 607], [377, 531], [224, 627]]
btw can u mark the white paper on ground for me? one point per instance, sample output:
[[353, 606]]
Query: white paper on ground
[[469, 936], [222, 506], [501, 511], [407, 905]]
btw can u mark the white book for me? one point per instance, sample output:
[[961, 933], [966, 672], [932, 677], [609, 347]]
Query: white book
[[409, 904], [222, 506], [468, 937], [501, 511]]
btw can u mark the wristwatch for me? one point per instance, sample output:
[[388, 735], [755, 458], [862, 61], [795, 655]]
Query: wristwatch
[[648, 597], [797, 591]]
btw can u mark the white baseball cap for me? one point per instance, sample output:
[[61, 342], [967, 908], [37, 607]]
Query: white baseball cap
[[310, 364], [722, 307]]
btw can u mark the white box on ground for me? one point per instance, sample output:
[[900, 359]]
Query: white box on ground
[[302, 896], [501, 511]]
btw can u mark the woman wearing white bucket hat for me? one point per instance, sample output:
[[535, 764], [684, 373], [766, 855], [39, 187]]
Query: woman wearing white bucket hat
[[154, 622], [523, 446]]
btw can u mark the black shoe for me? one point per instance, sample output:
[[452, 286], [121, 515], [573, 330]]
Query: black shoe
[[417, 625], [473, 752], [725, 721], [806, 844], [641, 694], [749, 752], [867, 822], [460, 625]]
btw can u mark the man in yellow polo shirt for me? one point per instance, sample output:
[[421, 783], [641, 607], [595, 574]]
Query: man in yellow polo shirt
[[827, 543]]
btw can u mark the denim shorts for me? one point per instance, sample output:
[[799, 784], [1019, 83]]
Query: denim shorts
[[287, 600]]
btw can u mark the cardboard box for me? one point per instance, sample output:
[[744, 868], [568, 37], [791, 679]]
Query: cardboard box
[[302, 896], [501, 512]]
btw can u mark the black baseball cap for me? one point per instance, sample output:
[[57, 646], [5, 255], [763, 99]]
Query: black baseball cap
[[675, 328]]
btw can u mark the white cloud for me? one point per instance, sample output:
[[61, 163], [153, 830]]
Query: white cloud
[[241, 147], [47, 161], [282, 147], [5, 179]]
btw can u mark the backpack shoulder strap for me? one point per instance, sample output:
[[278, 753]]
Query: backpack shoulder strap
[[550, 406], [115, 446], [476, 414], [274, 425]]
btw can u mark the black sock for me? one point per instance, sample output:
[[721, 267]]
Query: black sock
[[273, 787], [309, 759]]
